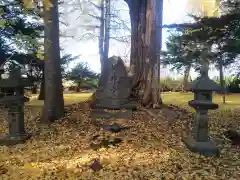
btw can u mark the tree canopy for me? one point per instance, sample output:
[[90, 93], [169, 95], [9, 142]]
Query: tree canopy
[[220, 33]]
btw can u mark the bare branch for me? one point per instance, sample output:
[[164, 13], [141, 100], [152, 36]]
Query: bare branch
[[95, 5], [123, 39], [90, 26], [96, 17], [61, 22], [87, 36]]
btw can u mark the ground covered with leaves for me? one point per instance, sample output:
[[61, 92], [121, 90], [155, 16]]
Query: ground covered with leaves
[[151, 148]]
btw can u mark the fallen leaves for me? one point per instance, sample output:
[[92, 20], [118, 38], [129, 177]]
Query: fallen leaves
[[150, 149]]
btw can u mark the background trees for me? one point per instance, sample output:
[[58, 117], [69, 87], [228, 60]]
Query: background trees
[[18, 36], [83, 76], [22, 43], [220, 34]]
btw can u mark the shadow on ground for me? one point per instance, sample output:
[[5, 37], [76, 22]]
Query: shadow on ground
[[151, 149]]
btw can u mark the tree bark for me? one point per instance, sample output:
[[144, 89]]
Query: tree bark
[[103, 41], [42, 88], [107, 30], [146, 19], [222, 83], [53, 103], [34, 89], [185, 78], [101, 37]]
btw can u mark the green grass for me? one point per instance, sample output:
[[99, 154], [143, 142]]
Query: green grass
[[68, 99], [179, 98]]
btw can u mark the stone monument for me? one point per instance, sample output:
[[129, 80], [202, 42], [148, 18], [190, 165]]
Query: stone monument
[[13, 88], [199, 141], [115, 95]]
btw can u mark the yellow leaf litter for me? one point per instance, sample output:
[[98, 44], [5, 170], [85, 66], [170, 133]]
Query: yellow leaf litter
[[151, 150]]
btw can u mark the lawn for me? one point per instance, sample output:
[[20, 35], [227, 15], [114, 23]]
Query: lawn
[[34, 106], [68, 99], [150, 150], [179, 98]]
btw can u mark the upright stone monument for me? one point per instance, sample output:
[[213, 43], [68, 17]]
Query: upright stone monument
[[115, 94], [199, 141], [13, 89]]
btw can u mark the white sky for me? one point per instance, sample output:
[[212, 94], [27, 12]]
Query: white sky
[[174, 12]]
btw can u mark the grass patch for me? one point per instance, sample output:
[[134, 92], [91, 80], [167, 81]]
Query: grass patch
[[179, 98], [68, 99]]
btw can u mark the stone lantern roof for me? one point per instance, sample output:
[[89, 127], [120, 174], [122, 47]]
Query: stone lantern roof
[[205, 84], [15, 80], [14, 83]]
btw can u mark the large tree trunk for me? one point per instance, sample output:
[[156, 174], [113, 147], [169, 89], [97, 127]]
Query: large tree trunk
[[146, 20], [185, 78], [53, 103]]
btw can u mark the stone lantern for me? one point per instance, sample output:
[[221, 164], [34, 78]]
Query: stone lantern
[[13, 97], [200, 142]]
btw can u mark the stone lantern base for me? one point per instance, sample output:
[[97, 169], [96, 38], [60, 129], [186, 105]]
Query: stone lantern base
[[13, 140], [207, 148]]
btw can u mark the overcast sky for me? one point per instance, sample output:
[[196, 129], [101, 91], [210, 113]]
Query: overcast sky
[[175, 11]]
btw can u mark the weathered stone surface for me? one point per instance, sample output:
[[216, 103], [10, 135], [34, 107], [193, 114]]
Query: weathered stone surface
[[14, 139], [206, 148], [199, 141], [15, 103], [115, 94], [115, 128], [205, 84]]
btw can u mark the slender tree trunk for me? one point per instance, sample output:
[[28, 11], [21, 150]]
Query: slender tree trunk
[[103, 45], [42, 88], [34, 89], [107, 30], [146, 20], [222, 83], [101, 37], [53, 103], [185, 78], [104, 40]]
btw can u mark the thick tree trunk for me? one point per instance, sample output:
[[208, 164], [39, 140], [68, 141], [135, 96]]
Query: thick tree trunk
[[146, 20], [185, 78], [137, 11], [53, 103]]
